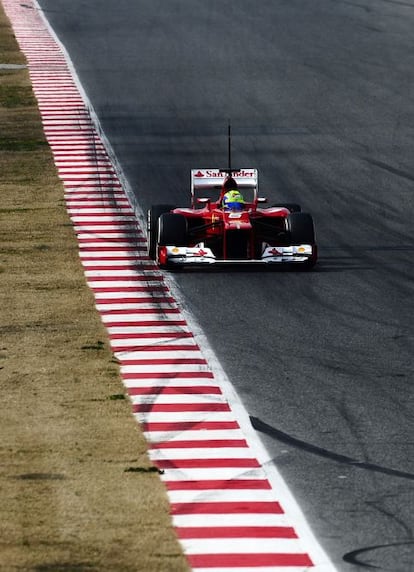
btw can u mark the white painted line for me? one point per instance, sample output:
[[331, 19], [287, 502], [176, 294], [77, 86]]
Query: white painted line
[[242, 546], [230, 520], [121, 254], [122, 346], [205, 474], [100, 219], [184, 416], [125, 295], [163, 382], [222, 495], [191, 454], [102, 243], [179, 398], [108, 274], [92, 211], [171, 436], [168, 356], [94, 198]]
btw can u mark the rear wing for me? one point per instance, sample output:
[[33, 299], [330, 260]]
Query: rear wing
[[210, 182]]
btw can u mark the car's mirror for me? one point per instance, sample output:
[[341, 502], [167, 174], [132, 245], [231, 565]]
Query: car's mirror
[[261, 199], [203, 200]]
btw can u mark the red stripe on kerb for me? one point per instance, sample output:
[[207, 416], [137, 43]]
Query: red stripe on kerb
[[149, 334], [75, 146], [169, 375], [115, 267], [91, 161], [246, 560], [137, 300], [110, 180], [107, 289], [162, 361], [206, 444], [169, 347], [271, 507], [187, 425], [107, 206], [230, 484], [126, 232], [207, 464], [236, 532], [85, 184], [153, 323], [131, 240], [138, 259], [119, 249], [178, 407], [103, 224], [124, 311]]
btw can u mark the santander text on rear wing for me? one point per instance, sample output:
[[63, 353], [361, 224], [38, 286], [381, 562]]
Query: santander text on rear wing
[[208, 182]]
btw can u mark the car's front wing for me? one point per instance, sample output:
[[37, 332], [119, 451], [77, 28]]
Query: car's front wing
[[200, 255]]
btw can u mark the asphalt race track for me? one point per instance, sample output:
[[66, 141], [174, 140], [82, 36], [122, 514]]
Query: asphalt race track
[[320, 96]]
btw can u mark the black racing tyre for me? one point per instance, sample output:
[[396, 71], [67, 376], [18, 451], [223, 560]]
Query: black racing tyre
[[300, 228], [172, 230], [293, 207], [153, 215]]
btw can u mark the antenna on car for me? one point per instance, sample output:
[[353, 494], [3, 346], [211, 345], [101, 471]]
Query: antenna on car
[[229, 147], [229, 170]]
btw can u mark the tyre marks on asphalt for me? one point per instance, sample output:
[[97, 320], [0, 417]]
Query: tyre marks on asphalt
[[226, 513]]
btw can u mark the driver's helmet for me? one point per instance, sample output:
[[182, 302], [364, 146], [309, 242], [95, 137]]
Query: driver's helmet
[[233, 200]]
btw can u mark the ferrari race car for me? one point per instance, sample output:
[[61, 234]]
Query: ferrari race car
[[217, 230]]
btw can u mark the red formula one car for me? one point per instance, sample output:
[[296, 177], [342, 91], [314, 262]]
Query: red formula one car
[[217, 230]]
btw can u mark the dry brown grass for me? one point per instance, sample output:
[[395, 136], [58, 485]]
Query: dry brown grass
[[68, 501]]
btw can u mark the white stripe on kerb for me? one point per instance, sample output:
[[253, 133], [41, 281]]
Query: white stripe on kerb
[[242, 546], [157, 382], [222, 495], [183, 416], [202, 453], [220, 473], [230, 520], [179, 399], [188, 435]]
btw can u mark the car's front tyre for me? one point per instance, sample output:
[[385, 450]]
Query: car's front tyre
[[301, 230], [172, 231], [153, 215]]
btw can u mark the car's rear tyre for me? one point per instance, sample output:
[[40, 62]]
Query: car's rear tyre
[[153, 215], [300, 228], [292, 207]]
